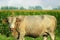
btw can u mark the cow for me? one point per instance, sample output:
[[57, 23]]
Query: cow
[[33, 25]]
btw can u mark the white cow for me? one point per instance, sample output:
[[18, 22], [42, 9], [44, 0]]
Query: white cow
[[35, 25]]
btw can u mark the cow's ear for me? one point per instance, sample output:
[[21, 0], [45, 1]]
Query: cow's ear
[[9, 19], [20, 18]]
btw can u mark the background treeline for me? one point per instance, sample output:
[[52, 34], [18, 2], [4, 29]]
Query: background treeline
[[4, 27], [21, 8], [29, 8]]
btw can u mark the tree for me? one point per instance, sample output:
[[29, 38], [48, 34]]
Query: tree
[[4, 8], [38, 8], [31, 8], [22, 8], [35, 8], [58, 8], [12, 8], [8, 8]]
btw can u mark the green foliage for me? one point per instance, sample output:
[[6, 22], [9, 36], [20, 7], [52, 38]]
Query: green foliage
[[57, 8], [22, 8], [9, 8], [3, 37], [35, 8], [38, 8]]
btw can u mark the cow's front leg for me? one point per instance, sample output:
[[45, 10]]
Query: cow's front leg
[[22, 31], [22, 34]]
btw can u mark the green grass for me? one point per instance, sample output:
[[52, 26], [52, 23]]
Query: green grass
[[41, 38], [3, 37]]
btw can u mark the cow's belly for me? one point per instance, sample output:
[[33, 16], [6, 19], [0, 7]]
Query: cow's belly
[[33, 30], [35, 27]]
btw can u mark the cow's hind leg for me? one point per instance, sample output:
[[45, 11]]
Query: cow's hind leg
[[45, 36], [52, 36]]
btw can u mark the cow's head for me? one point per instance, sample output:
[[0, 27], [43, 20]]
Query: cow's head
[[14, 23], [15, 20]]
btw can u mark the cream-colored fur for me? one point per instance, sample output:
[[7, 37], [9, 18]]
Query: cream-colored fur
[[34, 25]]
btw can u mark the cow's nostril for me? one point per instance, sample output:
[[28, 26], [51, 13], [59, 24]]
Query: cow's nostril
[[11, 30]]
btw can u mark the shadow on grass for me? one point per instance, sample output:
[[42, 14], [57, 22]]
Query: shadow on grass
[[3, 37], [41, 38]]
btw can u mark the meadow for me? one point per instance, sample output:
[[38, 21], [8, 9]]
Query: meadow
[[5, 33]]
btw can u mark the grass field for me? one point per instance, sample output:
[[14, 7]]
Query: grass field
[[3, 37]]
